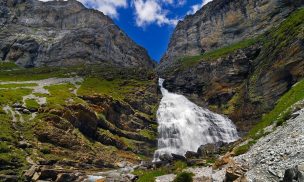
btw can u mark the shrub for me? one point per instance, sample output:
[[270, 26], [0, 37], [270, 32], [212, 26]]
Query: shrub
[[149, 176], [179, 166], [184, 177]]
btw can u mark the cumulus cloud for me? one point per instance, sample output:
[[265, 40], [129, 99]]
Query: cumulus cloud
[[174, 3], [108, 7], [196, 7], [151, 11]]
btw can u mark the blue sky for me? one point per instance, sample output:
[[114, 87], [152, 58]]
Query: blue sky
[[149, 23]]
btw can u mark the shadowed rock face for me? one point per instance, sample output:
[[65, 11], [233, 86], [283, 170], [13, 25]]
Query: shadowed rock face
[[63, 33], [223, 22]]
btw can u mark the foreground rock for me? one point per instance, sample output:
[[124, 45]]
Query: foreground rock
[[294, 174], [43, 173], [123, 175]]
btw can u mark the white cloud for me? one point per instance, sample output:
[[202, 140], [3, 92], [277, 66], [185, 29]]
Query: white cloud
[[174, 3], [108, 7], [196, 7], [151, 11], [206, 2]]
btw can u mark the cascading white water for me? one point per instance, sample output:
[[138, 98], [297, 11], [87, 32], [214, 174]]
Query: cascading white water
[[184, 126]]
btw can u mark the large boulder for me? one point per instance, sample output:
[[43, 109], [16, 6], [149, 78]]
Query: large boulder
[[191, 155], [236, 172], [166, 157], [208, 150], [294, 174]]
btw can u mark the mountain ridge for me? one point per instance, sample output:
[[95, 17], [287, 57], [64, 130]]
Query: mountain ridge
[[64, 33]]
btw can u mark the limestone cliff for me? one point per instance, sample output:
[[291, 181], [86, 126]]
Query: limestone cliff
[[223, 22], [63, 33]]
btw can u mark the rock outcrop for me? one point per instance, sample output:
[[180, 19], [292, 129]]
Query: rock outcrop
[[63, 33], [223, 22]]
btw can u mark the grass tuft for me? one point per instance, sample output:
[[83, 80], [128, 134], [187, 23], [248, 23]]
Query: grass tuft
[[149, 176]]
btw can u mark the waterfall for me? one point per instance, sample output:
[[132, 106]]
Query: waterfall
[[183, 126]]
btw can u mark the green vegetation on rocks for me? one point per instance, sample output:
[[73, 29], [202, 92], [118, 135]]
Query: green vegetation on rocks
[[243, 148], [12, 158], [7, 66], [8, 86], [277, 116], [116, 88], [148, 133], [32, 104], [60, 95], [281, 110], [11, 96], [149, 176], [189, 61]]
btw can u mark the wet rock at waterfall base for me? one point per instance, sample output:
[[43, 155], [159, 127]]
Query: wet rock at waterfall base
[[191, 155], [177, 157], [166, 158], [159, 164], [209, 149], [145, 165], [196, 162]]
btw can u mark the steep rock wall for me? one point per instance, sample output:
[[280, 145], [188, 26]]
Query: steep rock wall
[[63, 33]]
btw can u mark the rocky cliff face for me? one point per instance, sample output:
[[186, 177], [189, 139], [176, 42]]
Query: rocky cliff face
[[223, 22], [63, 33], [244, 80]]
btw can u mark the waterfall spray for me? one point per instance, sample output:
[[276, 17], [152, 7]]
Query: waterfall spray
[[184, 126]]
